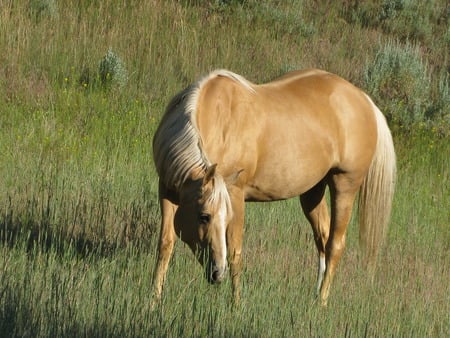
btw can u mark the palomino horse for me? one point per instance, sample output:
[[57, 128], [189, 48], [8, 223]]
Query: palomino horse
[[224, 141]]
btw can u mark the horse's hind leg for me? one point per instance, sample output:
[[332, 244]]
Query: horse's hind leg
[[343, 189], [166, 241], [315, 208]]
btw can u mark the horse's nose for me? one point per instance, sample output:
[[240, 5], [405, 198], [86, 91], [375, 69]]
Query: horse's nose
[[215, 275]]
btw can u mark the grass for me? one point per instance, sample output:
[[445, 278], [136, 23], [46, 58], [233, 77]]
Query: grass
[[67, 292], [78, 190]]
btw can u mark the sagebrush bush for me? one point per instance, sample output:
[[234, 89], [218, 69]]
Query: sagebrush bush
[[399, 79], [439, 113], [112, 70], [43, 8], [405, 19]]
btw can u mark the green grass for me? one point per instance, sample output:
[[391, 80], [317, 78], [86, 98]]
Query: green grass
[[78, 190], [64, 291]]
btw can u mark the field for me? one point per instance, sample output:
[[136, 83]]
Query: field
[[82, 88]]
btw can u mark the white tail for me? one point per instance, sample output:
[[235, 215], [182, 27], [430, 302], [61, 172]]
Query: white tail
[[376, 194]]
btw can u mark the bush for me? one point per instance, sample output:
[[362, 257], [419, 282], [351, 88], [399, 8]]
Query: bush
[[405, 19], [439, 113], [399, 80], [44, 8], [112, 70]]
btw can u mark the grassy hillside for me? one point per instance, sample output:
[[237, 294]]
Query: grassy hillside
[[391, 48], [83, 85]]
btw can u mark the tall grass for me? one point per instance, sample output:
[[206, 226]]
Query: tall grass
[[82, 88], [63, 291]]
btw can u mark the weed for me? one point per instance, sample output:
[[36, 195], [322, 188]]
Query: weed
[[112, 70]]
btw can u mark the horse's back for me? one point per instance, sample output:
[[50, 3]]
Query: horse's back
[[298, 74]]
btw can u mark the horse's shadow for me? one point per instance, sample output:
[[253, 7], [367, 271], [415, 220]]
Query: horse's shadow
[[40, 236]]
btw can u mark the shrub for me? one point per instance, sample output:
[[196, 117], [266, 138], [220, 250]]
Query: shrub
[[44, 8], [399, 80], [112, 70], [405, 19], [439, 113]]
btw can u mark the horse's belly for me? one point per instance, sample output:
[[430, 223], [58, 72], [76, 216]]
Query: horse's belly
[[281, 179]]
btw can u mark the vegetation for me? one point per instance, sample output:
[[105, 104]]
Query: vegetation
[[82, 87]]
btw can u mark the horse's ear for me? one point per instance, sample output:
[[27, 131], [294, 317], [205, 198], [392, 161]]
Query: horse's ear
[[232, 179], [210, 172]]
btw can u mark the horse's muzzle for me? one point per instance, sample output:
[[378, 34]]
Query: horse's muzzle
[[214, 274]]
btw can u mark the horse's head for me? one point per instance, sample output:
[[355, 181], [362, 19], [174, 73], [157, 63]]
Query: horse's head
[[201, 221]]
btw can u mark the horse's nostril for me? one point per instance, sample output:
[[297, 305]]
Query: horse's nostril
[[215, 276]]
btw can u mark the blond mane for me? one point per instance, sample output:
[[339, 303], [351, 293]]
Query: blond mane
[[177, 145]]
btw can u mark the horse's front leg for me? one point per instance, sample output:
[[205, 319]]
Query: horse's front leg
[[235, 232], [166, 240]]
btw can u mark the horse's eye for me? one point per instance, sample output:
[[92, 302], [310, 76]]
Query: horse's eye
[[204, 218]]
